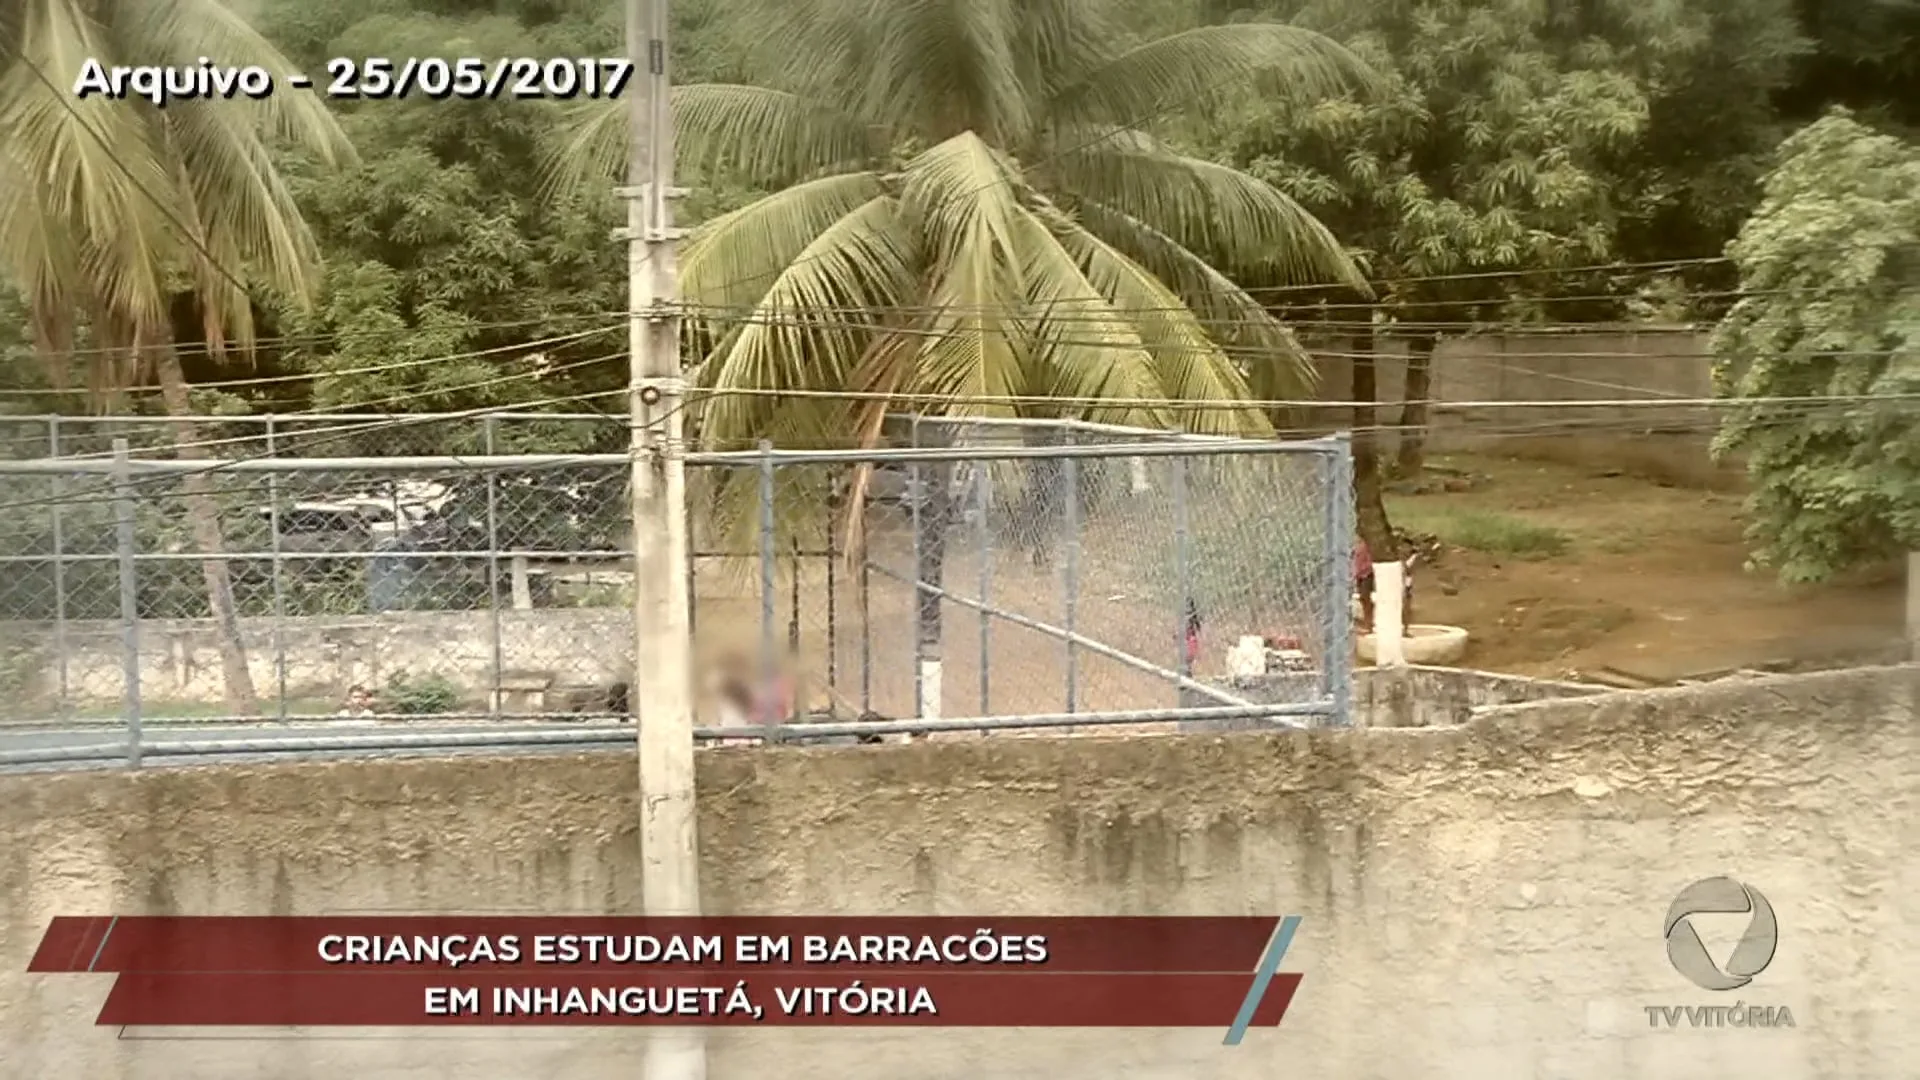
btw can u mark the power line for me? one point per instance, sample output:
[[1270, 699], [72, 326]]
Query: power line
[[1790, 413], [1236, 405], [754, 311], [203, 349], [809, 317], [378, 422], [135, 485], [327, 435]]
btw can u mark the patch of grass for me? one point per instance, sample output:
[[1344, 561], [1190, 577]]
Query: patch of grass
[[1495, 534], [1623, 541]]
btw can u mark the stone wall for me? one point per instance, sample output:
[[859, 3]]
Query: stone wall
[[323, 656], [1479, 901]]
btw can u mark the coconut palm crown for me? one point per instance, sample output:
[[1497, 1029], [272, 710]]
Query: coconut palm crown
[[109, 209], [968, 207]]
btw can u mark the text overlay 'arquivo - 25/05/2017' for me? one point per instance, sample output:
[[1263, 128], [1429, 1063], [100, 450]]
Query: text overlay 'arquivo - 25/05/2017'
[[373, 78]]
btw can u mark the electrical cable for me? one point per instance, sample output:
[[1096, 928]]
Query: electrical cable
[[1780, 413]]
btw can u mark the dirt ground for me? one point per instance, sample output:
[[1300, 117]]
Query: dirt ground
[[1642, 582], [1651, 582]]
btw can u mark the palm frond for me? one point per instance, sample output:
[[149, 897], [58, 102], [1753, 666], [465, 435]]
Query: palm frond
[[242, 211], [91, 163], [963, 193], [732, 261], [1083, 348], [589, 150], [1246, 223], [934, 68], [181, 31], [44, 260], [1275, 364], [1186, 70], [1187, 363], [768, 137], [805, 333], [963, 196]]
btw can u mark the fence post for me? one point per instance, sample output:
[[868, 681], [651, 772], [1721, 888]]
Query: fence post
[[833, 625], [768, 614], [56, 491], [793, 634], [917, 494], [1182, 567], [1337, 664], [278, 573], [495, 696], [129, 594], [985, 527], [866, 619], [1070, 480]]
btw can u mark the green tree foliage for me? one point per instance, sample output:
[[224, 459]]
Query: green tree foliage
[[110, 211], [1830, 264], [1522, 136], [453, 280], [967, 205], [445, 270], [1512, 136], [1866, 55]]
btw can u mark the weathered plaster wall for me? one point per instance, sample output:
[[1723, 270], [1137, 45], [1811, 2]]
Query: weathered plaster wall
[[1415, 696], [1395, 697], [1480, 902], [319, 657]]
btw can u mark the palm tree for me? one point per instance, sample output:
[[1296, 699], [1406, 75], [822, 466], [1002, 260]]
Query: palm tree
[[110, 211], [968, 207]]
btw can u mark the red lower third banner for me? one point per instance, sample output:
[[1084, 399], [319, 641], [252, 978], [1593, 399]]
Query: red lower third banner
[[886, 998]]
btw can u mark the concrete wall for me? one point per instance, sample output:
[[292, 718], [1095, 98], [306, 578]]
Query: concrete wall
[[1410, 696], [1480, 902], [323, 656], [1595, 364], [1416, 696]]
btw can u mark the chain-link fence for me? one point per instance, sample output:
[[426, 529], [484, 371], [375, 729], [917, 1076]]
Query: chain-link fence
[[1069, 573], [341, 583], [1023, 573]]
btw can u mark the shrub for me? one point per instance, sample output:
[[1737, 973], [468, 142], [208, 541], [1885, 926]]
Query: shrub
[[409, 696]]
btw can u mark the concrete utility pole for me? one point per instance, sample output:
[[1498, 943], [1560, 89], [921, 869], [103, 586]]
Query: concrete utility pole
[[662, 686]]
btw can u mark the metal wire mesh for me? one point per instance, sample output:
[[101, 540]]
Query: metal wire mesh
[[1095, 580], [1066, 570], [450, 592]]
